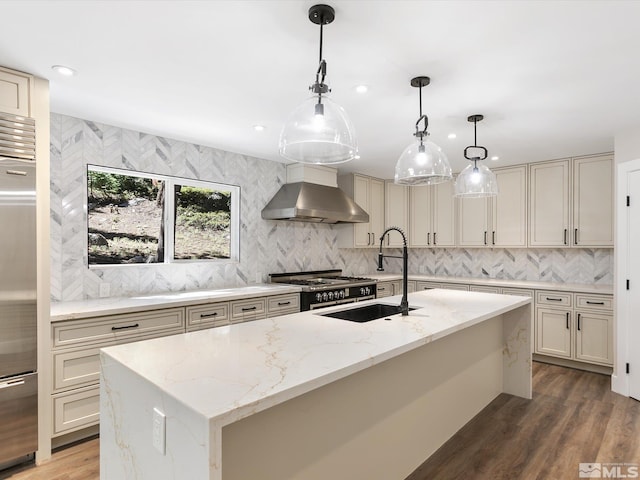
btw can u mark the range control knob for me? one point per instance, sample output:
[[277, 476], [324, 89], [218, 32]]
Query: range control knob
[[341, 293], [330, 295], [325, 297], [362, 291], [367, 290], [318, 297]]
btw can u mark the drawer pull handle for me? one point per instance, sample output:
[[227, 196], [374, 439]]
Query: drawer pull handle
[[434, 238], [567, 320], [248, 309], [283, 303], [554, 299], [575, 236], [207, 315], [594, 303], [578, 321], [485, 237], [428, 238], [125, 327], [381, 289], [565, 236], [493, 238]]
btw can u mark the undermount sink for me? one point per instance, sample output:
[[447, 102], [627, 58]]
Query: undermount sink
[[366, 313]]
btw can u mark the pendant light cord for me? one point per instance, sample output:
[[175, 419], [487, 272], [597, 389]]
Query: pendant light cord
[[421, 134]]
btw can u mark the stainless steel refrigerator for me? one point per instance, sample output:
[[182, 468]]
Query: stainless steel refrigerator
[[18, 326]]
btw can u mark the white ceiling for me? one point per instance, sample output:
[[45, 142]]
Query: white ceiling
[[553, 78]]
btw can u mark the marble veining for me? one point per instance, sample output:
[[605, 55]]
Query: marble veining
[[207, 379]]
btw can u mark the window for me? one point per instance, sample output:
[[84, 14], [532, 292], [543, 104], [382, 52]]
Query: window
[[136, 217]]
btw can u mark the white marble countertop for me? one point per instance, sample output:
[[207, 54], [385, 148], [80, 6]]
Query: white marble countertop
[[230, 372], [564, 287], [109, 306]]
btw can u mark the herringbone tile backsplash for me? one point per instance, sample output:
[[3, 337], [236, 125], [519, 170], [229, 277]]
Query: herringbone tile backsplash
[[265, 246]]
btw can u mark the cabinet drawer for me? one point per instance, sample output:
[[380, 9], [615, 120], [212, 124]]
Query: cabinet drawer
[[100, 330], [558, 299], [523, 292], [283, 304], [245, 310], [77, 367], [479, 288], [210, 315], [594, 302], [427, 285], [455, 286], [384, 289], [76, 410]]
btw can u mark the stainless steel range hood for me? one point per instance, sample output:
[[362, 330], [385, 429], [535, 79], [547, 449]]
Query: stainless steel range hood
[[312, 195]]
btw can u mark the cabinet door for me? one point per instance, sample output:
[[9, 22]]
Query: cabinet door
[[376, 210], [443, 215], [553, 332], [396, 212], [14, 92], [473, 226], [549, 204], [384, 289], [361, 192], [420, 206], [509, 213], [594, 337], [593, 202]]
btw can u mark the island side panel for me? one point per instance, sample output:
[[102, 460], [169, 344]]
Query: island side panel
[[517, 352], [380, 423], [126, 422]]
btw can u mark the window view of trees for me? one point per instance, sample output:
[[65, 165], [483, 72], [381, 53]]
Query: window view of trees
[[127, 220]]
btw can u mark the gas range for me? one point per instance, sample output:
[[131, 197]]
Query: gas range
[[323, 288]]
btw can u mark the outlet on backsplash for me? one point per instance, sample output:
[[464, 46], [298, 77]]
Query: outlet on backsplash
[[105, 289]]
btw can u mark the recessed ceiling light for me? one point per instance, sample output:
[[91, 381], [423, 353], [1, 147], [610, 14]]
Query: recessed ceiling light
[[66, 71], [495, 157], [259, 128], [451, 136], [362, 89]]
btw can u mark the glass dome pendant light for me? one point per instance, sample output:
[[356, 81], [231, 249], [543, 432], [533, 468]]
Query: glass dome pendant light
[[319, 130], [422, 162], [476, 180]]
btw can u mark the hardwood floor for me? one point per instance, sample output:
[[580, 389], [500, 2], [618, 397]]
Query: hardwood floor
[[573, 418], [76, 462]]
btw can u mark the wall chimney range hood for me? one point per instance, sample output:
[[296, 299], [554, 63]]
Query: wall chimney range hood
[[311, 195]]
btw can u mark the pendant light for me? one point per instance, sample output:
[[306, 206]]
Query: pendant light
[[422, 162], [476, 180], [319, 130]]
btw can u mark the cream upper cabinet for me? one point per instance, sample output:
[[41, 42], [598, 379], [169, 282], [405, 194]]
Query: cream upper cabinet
[[396, 212], [572, 203], [367, 192], [593, 202], [509, 213], [432, 216], [499, 221], [15, 92], [549, 204], [473, 222], [420, 216]]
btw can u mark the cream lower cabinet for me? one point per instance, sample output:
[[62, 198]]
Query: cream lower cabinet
[[368, 193], [76, 360], [393, 287], [575, 326], [432, 216]]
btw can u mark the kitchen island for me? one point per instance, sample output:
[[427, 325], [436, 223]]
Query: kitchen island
[[305, 396]]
